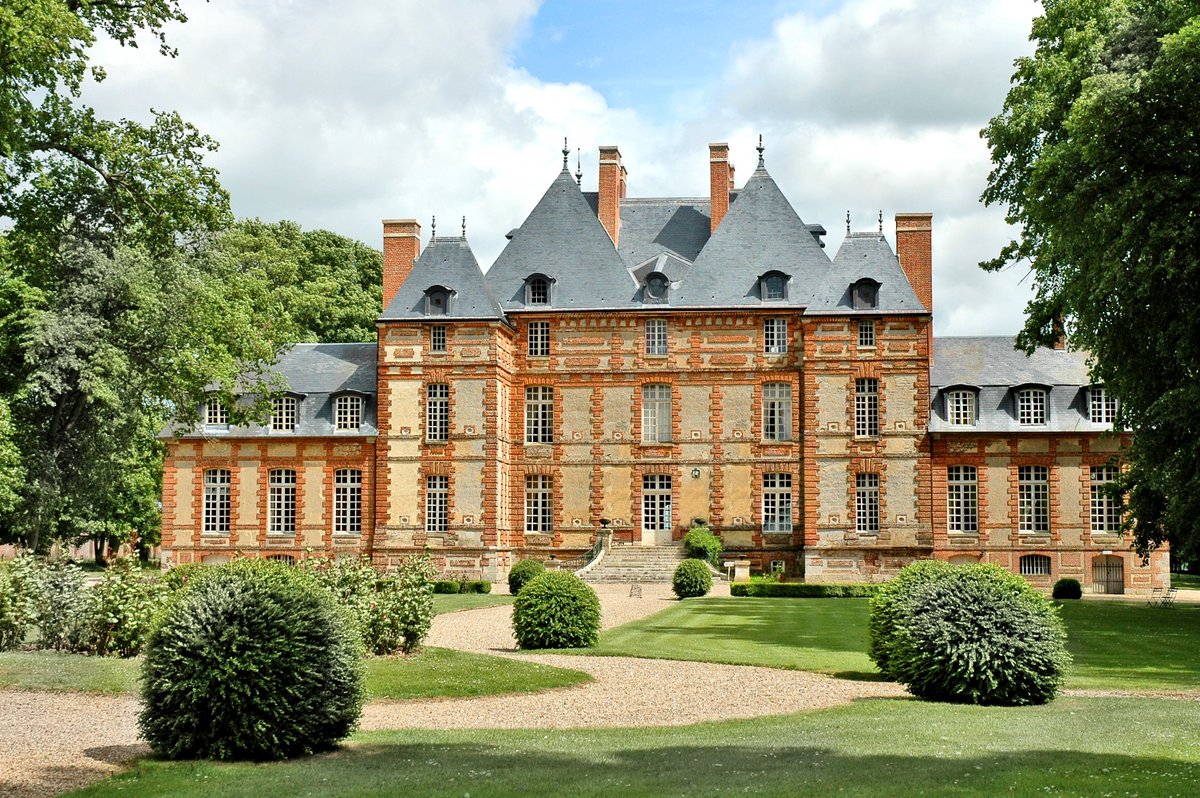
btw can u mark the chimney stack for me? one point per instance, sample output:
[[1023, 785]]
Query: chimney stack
[[720, 182], [914, 249], [401, 246], [612, 191], [1060, 332]]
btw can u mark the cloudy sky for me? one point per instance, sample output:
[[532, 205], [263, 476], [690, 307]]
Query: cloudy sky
[[337, 115]]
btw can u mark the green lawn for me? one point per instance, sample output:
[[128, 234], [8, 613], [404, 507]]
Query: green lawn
[[1186, 581], [64, 673], [453, 602], [1073, 746]]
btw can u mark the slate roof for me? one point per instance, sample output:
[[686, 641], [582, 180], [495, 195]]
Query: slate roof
[[996, 369], [450, 263], [864, 255]]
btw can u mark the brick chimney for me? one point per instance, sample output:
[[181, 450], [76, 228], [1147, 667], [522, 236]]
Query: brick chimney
[[720, 182], [914, 248], [1060, 332], [612, 191], [401, 246]]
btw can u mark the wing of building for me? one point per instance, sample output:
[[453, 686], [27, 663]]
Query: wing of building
[[630, 365]]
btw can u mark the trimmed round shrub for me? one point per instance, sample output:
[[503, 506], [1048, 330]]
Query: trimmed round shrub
[[978, 634], [888, 606], [522, 572], [254, 661], [556, 610], [1067, 588], [692, 578], [701, 544]]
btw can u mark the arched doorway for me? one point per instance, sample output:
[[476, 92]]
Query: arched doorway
[[1108, 574]]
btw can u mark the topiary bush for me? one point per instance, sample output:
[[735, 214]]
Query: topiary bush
[[445, 586], [888, 606], [1067, 588], [978, 634], [255, 661], [700, 543], [556, 610], [522, 572], [692, 578]]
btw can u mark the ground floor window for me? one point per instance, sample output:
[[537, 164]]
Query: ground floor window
[[347, 501], [1033, 499], [281, 502], [1106, 509], [539, 504], [216, 501], [1035, 565], [777, 502], [866, 504], [656, 502], [962, 500], [437, 503]]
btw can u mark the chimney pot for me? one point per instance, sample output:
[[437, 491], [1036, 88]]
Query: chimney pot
[[401, 246], [720, 182], [613, 179], [914, 250]]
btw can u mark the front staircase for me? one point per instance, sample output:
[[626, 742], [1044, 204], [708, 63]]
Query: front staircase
[[635, 563]]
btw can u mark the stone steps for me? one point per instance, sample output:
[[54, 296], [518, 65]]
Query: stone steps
[[632, 563]]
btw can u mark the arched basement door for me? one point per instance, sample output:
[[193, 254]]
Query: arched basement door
[[1108, 574]]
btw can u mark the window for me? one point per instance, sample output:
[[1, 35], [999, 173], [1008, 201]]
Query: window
[[960, 408], [1035, 565], [437, 302], [866, 333], [774, 287], [281, 501], [1102, 406], [777, 503], [1033, 499], [539, 504], [866, 504], [962, 500], [537, 291], [216, 501], [775, 335], [539, 414], [437, 412], [656, 337], [864, 294], [1031, 406], [777, 411], [283, 414], [347, 501], [347, 412], [437, 338], [657, 287], [539, 339], [656, 413], [656, 502], [437, 504], [1106, 509], [216, 414], [866, 407]]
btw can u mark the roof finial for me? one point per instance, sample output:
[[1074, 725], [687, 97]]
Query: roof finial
[[760, 149], [433, 228], [881, 220], [566, 152], [464, 227], [847, 222], [578, 168]]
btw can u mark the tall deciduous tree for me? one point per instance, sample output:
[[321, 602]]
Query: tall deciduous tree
[[1096, 156]]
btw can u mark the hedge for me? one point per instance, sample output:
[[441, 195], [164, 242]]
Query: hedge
[[802, 590], [464, 586]]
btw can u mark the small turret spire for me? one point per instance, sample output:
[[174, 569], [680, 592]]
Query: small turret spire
[[760, 149], [433, 227], [464, 227], [578, 168], [847, 222], [881, 220], [566, 151]]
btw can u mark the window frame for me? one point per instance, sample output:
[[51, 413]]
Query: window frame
[[866, 333], [1105, 513], [539, 415], [1033, 406], [538, 290], [285, 414], [347, 501], [437, 412], [866, 407], [955, 412], [962, 500], [657, 404], [1103, 404], [216, 414], [437, 339], [217, 508], [347, 408], [655, 338], [657, 288], [281, 501], [777, 411], [538, 344], [437, 504], [1033, 500], [1035, 565], [864, 294], [777, 503], [775, 335], [773, 287], [539, 504], [432, 295], [657, 512], [866, 503]]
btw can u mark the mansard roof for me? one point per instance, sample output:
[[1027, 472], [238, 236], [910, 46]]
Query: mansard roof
[[869, 256], [447, 262]]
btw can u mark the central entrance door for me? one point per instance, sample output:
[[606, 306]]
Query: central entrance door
[[656, 510]]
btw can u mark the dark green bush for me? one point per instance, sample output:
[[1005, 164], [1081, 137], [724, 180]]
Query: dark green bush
[[445, 586], [888, 606], [255, 661], [475, 586], [1068, 588], [802, 590], [979, 634], [692, 578], [700, 543], [556, 610], [522, 572]]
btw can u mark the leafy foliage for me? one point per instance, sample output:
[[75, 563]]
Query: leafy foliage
[[182, 575], [1096, 159], [57, 595], [556, 610], [522, 572], [254, 661], [768, 589], [691, 579], [14, 610], [1067, 589], [391, 613], [116, 615], [700, 543], [411, 605], [889, 607]]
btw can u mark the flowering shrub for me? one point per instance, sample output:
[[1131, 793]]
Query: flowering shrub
[[116, 615]]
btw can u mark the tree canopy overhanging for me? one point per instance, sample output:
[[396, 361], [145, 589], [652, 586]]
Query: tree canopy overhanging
[[1096, 156]]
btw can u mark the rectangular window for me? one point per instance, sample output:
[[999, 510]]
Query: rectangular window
[[866, 333], [775, 335], [283, 414], [777, 411], [866, 504], [437, 412], [539, 504], [962, 500], [281, 502], [539, 339], [539, 414], [656, 502], [866, 407], [1031, 406], [347, 501], [1102, 406], [347, 412], [216, 414], [1033, 500], [656, 337], [1106, 509], [216, 501], [961, 408], [777, 502], [656, 413], [437, 504], [437, 338]]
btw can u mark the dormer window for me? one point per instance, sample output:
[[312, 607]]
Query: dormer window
[[1102, 405], [437, 300], [216, 414], [284, 412], [537, 290], [347, 412], [773, 287], [657, 286], [1031, 407], [960, 407], [864, 294]]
